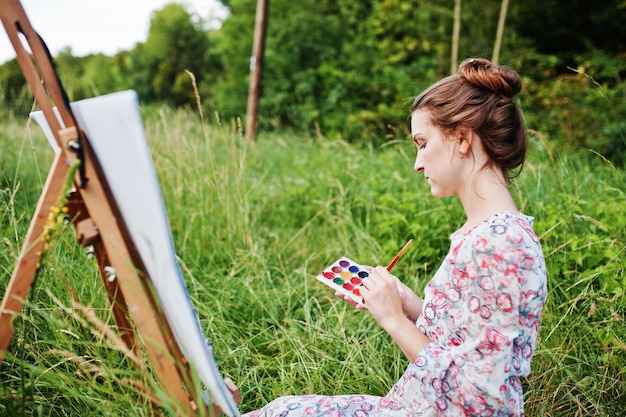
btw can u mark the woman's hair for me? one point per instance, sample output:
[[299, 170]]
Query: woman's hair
[[480, 97]]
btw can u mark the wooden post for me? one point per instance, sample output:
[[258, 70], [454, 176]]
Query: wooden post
[[456, 29], [256, 64], [500, 33]]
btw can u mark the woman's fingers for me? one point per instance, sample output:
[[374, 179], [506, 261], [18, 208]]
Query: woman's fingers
[[379, 285], [380, 292], [350, 301], [380, 279]]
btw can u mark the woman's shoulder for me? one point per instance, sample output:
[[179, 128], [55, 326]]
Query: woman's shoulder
[[508, 220], [504, 231], [505, 226], [507, 238]]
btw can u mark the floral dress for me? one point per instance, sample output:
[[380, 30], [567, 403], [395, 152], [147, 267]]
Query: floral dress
[[481, 313]]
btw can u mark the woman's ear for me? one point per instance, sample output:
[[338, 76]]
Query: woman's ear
[[466, 137]]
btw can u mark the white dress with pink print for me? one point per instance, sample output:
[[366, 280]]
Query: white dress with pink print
[[481, 312]]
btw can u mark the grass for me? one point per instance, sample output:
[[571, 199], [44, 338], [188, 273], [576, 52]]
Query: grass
[[254, 222]]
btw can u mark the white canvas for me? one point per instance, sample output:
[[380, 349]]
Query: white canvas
[[115, 131]]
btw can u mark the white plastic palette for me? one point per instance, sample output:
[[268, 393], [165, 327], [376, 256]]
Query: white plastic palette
[[346, 277]]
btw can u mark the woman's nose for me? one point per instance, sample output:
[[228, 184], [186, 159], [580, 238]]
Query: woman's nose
[[418, 166]]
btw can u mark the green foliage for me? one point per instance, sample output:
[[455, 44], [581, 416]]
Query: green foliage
[[349, 68], [15, 97], [577, 113], [567, 28], [176, 42], [583, 326]]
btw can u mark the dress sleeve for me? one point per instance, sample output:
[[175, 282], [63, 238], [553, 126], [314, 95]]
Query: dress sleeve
[[479, 346]]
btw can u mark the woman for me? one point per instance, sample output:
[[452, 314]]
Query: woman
[[473, 336]]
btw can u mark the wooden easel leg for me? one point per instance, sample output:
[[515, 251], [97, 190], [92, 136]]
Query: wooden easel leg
[[87, 234], [118, 303], [30, 256]]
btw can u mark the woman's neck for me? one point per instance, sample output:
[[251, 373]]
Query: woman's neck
[[484, 196]]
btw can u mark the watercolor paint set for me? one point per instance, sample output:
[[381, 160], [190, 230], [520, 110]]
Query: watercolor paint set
[[345, 276]]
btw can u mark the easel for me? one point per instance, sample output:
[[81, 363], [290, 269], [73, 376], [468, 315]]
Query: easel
[[97, 223]]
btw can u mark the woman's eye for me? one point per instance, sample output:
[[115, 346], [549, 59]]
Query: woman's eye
[[420, 143]]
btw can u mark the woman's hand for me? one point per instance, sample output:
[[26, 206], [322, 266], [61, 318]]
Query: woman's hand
[[411, 303], [382, 297], [350, 301], [387, 300]]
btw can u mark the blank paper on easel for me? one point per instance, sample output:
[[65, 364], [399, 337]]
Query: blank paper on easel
[[113, 126]]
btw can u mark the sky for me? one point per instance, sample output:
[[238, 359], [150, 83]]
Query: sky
[[92, 26]]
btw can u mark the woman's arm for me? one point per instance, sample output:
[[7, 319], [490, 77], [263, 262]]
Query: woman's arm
[[382, 299]]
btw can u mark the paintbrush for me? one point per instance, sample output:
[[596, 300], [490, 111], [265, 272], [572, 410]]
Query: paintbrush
[[399, 255]]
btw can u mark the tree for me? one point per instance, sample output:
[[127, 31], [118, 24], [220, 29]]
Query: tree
[[13, 87], [177, 41], [569, 29]]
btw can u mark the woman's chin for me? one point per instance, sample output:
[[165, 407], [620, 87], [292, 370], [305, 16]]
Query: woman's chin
[[439, 193]]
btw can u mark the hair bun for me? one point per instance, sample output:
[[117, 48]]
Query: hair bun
[[482, 73]]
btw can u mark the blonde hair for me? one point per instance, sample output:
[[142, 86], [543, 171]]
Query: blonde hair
[[480, 97]]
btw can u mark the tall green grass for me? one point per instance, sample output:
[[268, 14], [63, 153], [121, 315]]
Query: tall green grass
[[254, 222]]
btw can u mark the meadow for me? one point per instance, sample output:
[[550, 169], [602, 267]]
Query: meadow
[[254, 222]]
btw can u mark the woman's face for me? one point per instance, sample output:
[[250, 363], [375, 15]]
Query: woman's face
[[436, 156]]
